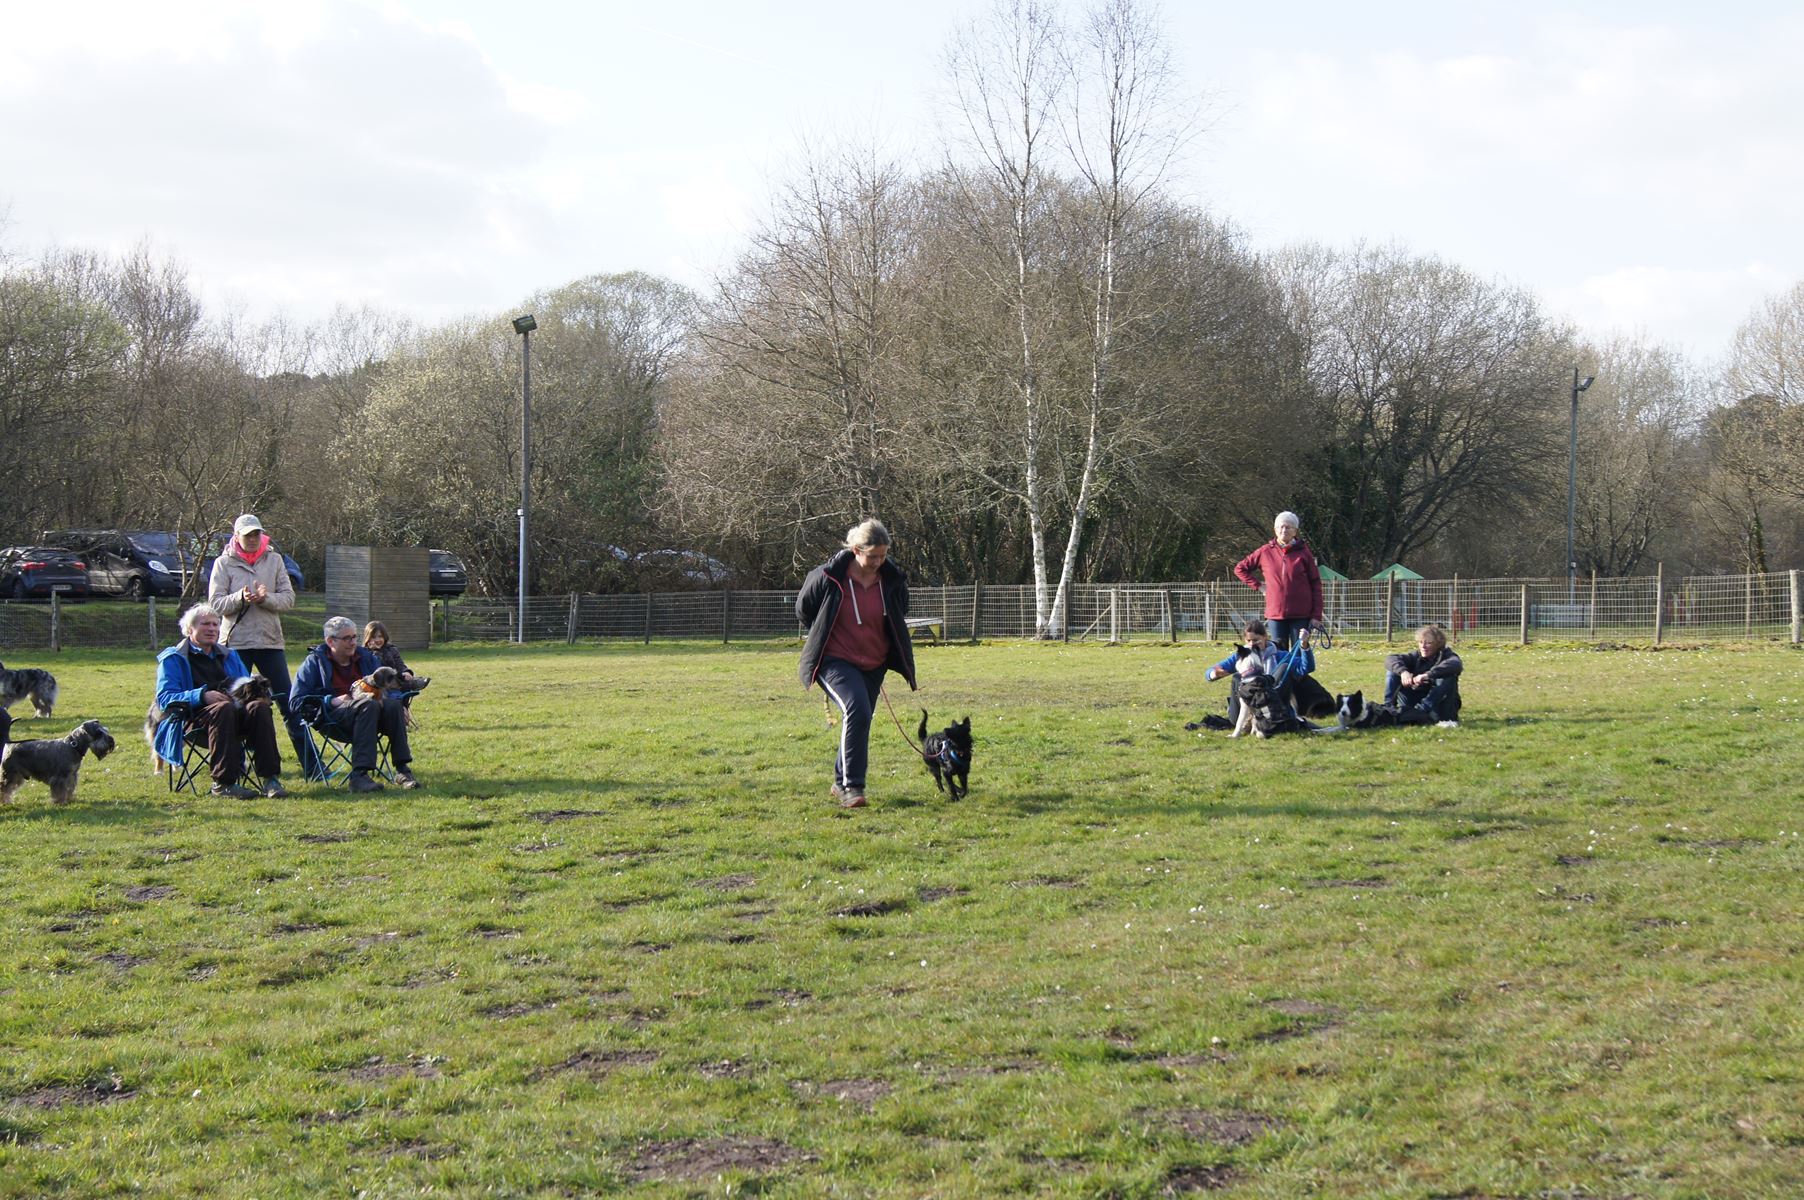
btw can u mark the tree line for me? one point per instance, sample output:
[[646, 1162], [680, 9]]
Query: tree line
[[1032, 359]]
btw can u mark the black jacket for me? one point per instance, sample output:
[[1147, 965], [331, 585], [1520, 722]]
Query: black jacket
[[818, 603]]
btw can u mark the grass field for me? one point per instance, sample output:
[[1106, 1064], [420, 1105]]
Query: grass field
[[622, 941]]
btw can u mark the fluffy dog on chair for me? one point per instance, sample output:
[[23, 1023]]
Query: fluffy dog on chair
[[54, 762], [28, 682], [377, 683], [948, 755]]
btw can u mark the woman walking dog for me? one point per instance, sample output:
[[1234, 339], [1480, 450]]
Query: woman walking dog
[[854, 607]]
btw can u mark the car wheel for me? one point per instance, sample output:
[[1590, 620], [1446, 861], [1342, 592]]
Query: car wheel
[[134, 588]]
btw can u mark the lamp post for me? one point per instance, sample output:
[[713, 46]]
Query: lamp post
[[524, 327], [1572, 486]]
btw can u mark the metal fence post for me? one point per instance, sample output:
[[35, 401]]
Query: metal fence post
[[976, 611], [726, 616], [1171, 617], [1209, 611], [1747, 609], [1522, 614], [1659, 602], [1114, 616], [56, 620], [1390, 600], [1594, 603], [648, 618], [1797, 612], [570, 629]]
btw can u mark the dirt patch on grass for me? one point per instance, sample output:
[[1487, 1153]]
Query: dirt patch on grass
[[704, 1158], [1016, 1066], [1182, 1181], [72, 922], [1574, 860], [733, 939], [788, 997], [1362, 884], [538, 847], [376, 1068], [727, 883], [324, 839], [724, 1068], [752, 914], [1051, 881], [522, 1008], [1209, 1058], [121, 961], [648, 947], [66, 1095], [491, 932], [871, 908], [418, 1148], [930, 894], [1224, 1127], [1657, 923], [154, 891], [548, 815], [297, 927], [366, 940], [593, 1064], [863, 1092]]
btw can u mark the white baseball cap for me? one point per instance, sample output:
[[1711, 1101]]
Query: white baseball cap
[[245, 524]]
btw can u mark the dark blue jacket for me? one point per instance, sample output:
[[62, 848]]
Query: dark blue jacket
[[315, 676], [818, 603], [175, 685]]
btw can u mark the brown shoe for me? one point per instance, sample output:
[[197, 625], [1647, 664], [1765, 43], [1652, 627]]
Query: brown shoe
[[849, 799]]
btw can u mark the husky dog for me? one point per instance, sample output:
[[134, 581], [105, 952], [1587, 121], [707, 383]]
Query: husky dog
[[28, 682], [56, 762], [948, 755]]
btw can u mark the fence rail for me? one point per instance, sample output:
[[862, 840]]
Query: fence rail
[[1648, 608]]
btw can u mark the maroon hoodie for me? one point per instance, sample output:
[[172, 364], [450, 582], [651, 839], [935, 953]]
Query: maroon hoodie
[[1293, 585]]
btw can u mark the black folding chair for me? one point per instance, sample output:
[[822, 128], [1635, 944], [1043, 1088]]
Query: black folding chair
[[329, 744], [195, 766]]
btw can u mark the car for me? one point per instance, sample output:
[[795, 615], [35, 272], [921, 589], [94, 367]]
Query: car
[[37, 571], [445, 574], [682, 568], [131, 563]]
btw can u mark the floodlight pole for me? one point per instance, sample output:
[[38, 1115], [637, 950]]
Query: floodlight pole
[[1572, 487], [524, 327]]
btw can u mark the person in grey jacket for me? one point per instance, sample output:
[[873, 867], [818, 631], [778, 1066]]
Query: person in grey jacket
[[250, 588]]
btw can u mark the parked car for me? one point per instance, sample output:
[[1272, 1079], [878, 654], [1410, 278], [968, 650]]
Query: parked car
[[130, 563], [28, 571], [682, 568], [446, 575]]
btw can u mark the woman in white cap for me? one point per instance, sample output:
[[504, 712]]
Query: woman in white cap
[[251, 590], [1285, 570]]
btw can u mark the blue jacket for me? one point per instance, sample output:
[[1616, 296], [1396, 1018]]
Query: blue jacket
[[175, 685], [1304, 663], [315, 676]]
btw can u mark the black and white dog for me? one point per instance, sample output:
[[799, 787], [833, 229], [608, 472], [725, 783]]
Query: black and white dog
[[54, 762], [1354, 713], [948, 755], [28, 682]]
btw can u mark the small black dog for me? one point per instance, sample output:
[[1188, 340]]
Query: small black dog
[[948, 755], [56, 762], [33, 682]]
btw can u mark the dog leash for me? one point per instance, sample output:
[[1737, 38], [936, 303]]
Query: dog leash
[[898, 723]]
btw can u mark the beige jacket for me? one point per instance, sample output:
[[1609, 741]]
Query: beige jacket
[[251, 626]]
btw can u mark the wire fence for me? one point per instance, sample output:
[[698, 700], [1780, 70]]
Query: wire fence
[[1642, 609]]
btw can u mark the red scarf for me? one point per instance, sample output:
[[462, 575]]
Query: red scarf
[[250, 556]]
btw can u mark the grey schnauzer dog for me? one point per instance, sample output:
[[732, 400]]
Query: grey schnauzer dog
[[53, 762], [39, 685]]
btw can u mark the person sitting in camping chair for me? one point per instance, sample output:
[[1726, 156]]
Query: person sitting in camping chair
[[328, 687]]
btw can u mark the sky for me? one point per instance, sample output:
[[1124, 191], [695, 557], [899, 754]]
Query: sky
[[1635, 165]]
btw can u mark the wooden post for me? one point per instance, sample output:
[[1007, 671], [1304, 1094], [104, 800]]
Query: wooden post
[[977, 611], [1522, 613], [726, 616], [570, 627], [444, 609], [56, 620], [1659, 602], [150, 607], [1797, 612], [1594, 602], [1171, 617], [1390, 599], [648, 618]]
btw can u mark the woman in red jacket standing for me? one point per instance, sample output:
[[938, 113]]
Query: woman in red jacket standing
[[1285, 571]]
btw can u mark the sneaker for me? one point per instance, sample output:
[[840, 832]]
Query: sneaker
[[361, 782], [236, 791], [272, 787], [404, 779], [851, 799], [836, 793], [1446, 725]]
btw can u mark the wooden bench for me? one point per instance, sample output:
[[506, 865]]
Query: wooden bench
[[935, 626]]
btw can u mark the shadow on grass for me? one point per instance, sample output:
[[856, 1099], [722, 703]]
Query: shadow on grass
[[79, 814]]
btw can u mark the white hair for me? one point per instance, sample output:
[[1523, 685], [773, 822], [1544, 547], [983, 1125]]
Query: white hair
[[1288, 518], [194, 614], [866, 534], [339, 625]]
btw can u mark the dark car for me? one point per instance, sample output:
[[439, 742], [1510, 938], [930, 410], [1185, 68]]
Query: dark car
[[446, 575], [37, 571]]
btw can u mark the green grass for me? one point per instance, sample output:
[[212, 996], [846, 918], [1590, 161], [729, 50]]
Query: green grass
[[623, 941]]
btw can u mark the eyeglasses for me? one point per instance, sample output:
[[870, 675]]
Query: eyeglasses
[[342, 637]]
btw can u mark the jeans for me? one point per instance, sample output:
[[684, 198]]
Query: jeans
[[272, 664], [1284, 630], [855, 691], [1440, 697], [359, 722]]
